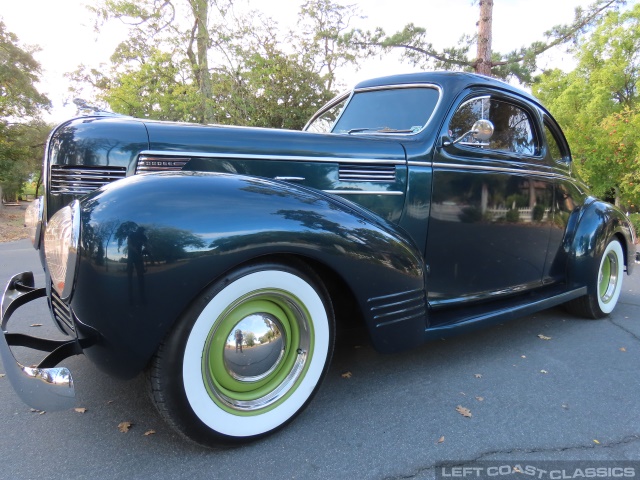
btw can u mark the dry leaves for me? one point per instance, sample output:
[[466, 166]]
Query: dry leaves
[[347, 375], [149, 432], [39, 412], [622, 349], [465, 412], [441, 439], [543, 337], [543, 371], [478, 375], [2, 375], [80, 409], [596, 441], [35, 325], [480, 399], [124, 426]]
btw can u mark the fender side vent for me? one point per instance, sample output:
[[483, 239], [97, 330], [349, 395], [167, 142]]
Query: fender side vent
[[367, 173], [398, 307]]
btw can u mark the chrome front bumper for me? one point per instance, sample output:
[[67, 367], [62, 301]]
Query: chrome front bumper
[[44, 386]]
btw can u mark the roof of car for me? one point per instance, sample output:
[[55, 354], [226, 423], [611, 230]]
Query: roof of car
[[444, 79]]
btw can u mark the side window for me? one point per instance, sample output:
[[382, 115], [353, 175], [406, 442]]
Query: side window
[[325, 121], [513, 131], [555, 151]]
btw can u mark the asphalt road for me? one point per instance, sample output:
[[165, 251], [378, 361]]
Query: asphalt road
[[571, 397]]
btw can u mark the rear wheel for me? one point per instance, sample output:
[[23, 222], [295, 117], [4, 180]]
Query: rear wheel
[[247, 357], [605, 288]]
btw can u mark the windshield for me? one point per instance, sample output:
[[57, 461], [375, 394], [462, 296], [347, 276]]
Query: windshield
[[392, 110]]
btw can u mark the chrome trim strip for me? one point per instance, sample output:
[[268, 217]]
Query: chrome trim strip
[[363, 192], [414, 163], [290, 179], [291, 158], [454, 166]]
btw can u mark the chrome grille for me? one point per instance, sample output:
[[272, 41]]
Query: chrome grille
[[147, 163], [61, 311], [367, 173], [80, 180]]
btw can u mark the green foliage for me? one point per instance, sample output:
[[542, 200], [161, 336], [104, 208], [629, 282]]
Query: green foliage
[[512, 215], [520, 63], [221, 65], [597, 105], [635, 220], [21, 146], [22, 135]]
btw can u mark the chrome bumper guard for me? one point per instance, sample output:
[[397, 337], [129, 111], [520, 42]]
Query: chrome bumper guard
[[44, 386]]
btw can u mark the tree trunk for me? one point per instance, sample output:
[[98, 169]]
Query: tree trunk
[[200, 10], [483, 62]]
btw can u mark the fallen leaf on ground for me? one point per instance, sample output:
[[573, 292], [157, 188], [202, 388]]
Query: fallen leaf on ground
[[478, 375], [39, 412], [480, 399], [441, 439], [543, 337], [347, 375], [622, 349], [465, 412], [149, 432], [523, 356], [35, 325], [596, 441], [2, 375], [543, 371], [80, 409], [124, 426]]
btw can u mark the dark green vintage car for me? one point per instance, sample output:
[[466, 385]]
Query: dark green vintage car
[[220, 259]]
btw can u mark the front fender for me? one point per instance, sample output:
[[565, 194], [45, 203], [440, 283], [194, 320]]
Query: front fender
[[598, 223], [151, 243]]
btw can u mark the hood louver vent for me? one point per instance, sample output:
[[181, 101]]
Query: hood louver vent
[[367, 173]]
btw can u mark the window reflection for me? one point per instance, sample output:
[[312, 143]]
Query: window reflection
[[513, 131]]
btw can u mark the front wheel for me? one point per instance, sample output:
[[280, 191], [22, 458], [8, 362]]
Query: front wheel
[[605, 288], [247, 357]]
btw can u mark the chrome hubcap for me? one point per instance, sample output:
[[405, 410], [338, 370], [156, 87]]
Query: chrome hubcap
[[255, 347]]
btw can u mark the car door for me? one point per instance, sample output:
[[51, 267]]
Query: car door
[[491, 207]]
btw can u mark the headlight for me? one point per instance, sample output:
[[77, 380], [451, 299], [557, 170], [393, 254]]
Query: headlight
[[61, 247], [33, 220]]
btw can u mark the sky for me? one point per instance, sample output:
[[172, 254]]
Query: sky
[[63, 29]]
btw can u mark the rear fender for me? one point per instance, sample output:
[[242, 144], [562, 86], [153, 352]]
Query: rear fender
[[598, 223]]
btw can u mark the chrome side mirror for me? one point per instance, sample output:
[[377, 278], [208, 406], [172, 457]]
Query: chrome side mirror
[[481, 131]]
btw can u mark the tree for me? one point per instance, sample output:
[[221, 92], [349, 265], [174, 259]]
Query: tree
[[203, 61], [22, 134], [597, 104], [519, 63]]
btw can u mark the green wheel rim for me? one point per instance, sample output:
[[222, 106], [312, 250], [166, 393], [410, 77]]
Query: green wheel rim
[[254, 397], [608, 277]]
